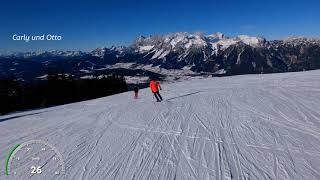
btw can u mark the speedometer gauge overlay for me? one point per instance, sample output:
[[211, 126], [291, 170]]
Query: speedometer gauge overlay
[[35, 159]]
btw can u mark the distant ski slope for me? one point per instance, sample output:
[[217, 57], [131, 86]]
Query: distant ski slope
[[241, 127]]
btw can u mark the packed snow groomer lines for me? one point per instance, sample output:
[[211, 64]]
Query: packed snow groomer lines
[[211, 129]]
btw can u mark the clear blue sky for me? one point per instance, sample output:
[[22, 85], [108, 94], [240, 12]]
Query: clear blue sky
[[86, 25]]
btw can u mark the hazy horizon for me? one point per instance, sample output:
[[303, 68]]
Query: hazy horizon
[[119, 45]]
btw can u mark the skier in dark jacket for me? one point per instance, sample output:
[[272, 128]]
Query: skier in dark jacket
[[136, 91], [155, 87]]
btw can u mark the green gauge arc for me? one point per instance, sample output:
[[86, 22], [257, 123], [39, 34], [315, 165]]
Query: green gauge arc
[[8, 158]]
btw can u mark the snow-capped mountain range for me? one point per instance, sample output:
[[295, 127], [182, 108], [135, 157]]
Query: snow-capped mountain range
[[192, 53], [163, 45]]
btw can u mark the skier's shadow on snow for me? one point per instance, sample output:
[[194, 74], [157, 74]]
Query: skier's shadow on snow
[[184, 95], [18, 116]]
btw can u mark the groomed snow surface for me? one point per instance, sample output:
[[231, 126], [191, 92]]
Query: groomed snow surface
[[241, 127]]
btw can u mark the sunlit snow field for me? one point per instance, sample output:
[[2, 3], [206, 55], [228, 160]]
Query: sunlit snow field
[[240, 127]]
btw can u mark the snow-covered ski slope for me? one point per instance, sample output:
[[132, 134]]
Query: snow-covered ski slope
[[241, 127]]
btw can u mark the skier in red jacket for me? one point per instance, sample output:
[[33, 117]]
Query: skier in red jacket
[[155, 87]]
